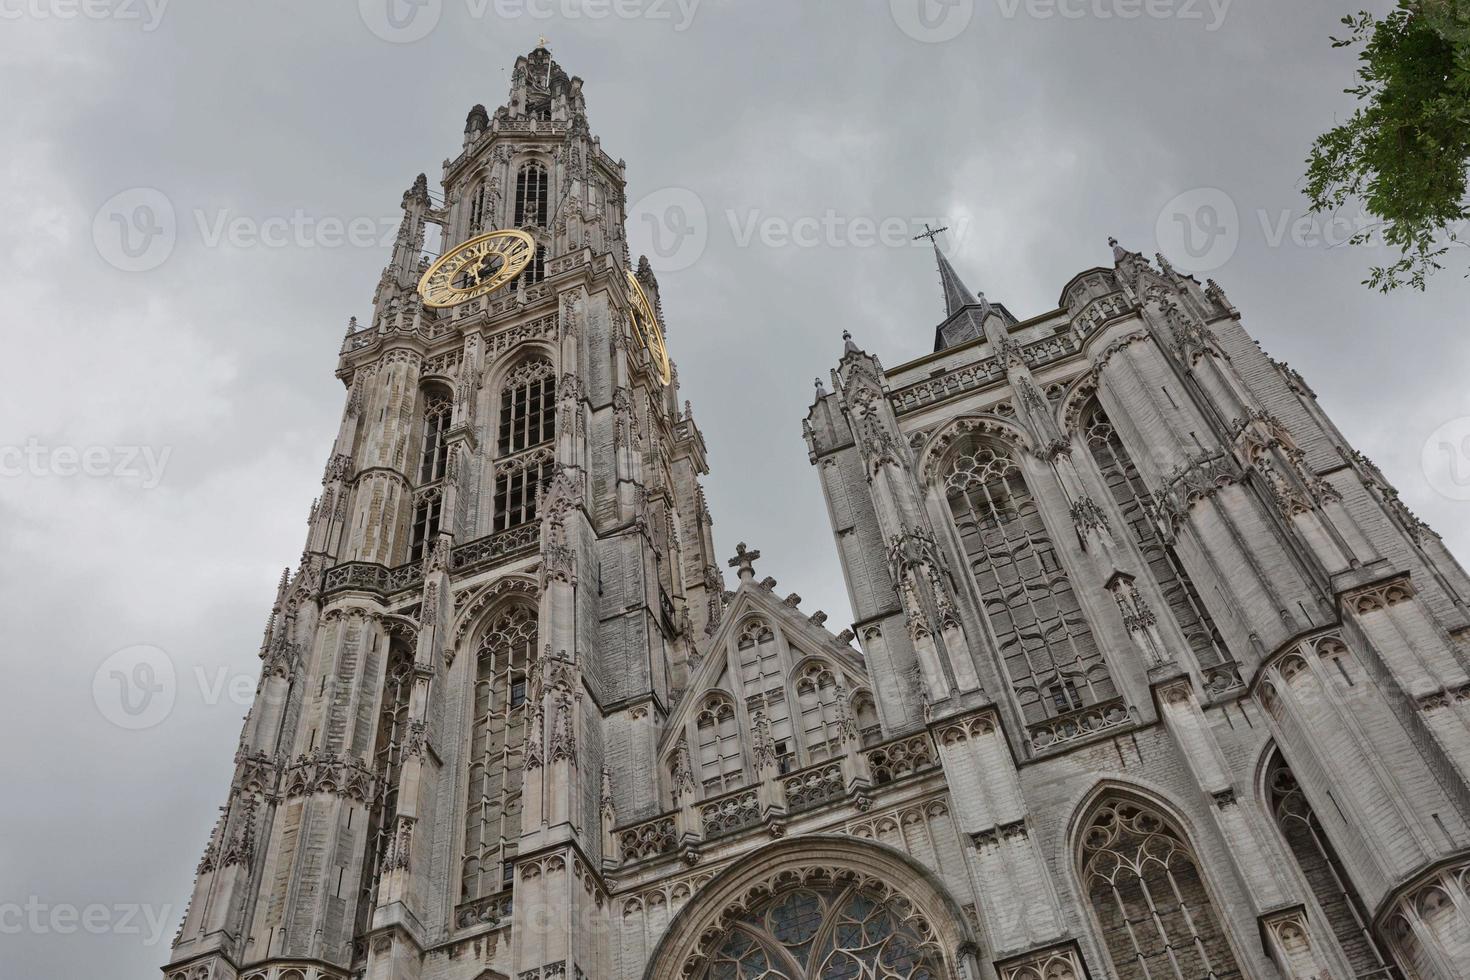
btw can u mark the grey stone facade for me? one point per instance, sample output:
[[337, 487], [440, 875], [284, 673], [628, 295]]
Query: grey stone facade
[[1152, 675]]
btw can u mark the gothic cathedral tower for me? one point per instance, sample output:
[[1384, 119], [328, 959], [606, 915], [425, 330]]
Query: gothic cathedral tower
[[1157, 680], [501, 581]]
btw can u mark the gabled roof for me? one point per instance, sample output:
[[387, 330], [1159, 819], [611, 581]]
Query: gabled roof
[[801, 634]]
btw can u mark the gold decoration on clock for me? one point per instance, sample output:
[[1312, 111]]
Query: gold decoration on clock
[[476, 267], [645, 326]]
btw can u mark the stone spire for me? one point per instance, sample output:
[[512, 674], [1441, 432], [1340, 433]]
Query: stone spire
[[957, 295], [965, 311]]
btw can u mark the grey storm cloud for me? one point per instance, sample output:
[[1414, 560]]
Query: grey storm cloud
[[195, 199]]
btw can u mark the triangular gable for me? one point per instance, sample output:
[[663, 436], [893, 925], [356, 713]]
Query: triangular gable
[[803, 636]]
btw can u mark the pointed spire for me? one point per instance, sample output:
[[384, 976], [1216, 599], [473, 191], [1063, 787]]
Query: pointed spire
[[957, 295], [1119, 252]]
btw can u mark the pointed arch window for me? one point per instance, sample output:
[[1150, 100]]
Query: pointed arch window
[[531, 194], [428, 510], [1132, 497], [869, 728], [834, 931], [1151, 904], [718, 744], [1325, 875], [388, 753], [434, 449], [762, 678], [536, 270], [528, 407], [477, 208], [496, 751], [527, 425], [1050, 655], [818, 695]]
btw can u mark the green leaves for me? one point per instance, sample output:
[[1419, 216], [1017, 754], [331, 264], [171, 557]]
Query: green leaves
[[1406, 148]]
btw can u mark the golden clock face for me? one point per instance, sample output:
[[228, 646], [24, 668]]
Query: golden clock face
[[645, 325], [479, 266]]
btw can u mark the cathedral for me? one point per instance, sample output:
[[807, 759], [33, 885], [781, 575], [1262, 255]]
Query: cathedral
[[1152, 676]]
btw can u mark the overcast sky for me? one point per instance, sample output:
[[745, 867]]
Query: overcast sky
[[190, 374]]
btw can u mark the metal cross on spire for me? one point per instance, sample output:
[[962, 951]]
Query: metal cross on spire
[[931, 233]]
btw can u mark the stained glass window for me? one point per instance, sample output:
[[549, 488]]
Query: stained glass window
[[840, 933]]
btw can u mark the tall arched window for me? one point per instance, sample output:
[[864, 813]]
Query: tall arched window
[[536, 270], [718, 737], [828, 932], [867, 718], [477, 208], [764, 683], [428, 510], [528, 407], [1132, 497], [527, 426], [1144, 884], [434, 449], [817, 694], [497, 752], [1051, 658], [531, 184], [1324, 873], [387, 762]]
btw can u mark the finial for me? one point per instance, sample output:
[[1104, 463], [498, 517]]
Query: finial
[[847, 344], [1119, 252], [542, 42], [821, 391], [745, 560]]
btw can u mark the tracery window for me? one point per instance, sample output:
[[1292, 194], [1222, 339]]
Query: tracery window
[[434, 450], [718, 734], [867, 718], [535, 270], [817, 694], [763, 681], [427, 514], [1133, 499], [531, 185], [1144, 884], [477, 208], [1319, 864], [527, 425], [528, 406], [1051, 657], [497, 751], [827, 933], [387, 762]]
